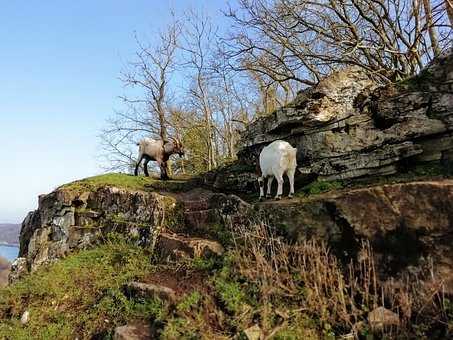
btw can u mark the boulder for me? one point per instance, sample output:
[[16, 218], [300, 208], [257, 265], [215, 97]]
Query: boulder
[[408, 225], [177, 246], [150, 290], [18, 269], [137, 331], [382, 317]]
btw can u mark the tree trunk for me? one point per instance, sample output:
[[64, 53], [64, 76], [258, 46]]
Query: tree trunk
[[431, 28], [449, 8]]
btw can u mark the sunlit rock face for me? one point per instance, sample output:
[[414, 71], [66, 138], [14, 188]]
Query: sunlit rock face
[[348, 127], [67, 220]]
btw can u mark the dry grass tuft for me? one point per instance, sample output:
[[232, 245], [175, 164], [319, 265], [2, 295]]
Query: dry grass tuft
[[307, 278]]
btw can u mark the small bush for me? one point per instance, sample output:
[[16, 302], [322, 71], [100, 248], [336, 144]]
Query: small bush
[[230, 294], [319, 187], [188, 302]]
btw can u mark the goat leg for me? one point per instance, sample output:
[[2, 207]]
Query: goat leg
[[145, 167], [261, 183], [163, 171], [279, 178], [138, 165]]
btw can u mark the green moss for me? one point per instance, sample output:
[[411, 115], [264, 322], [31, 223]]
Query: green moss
[[126, 181], [178, 328], [78, 296], [419, 82], [319, 187]]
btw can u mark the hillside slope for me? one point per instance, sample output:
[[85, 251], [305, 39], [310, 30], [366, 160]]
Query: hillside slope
[[185, 262]]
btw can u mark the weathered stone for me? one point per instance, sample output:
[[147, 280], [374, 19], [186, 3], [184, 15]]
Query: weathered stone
[[176, 246], [66, 221], [18, 269], [150, 290], [138, 331], [382, 317], [347, 127], [405, 223], [254, 333], [25, 318]]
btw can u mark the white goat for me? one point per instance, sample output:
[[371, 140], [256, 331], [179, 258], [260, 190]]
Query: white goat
[[276, 159]]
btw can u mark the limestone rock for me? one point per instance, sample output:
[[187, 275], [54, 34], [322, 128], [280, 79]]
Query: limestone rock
[[18, 269], [150, 290], [25, 318], [177, 246], [138, 331], [66, 221], [349, 127], [382, 317], [254, 333]]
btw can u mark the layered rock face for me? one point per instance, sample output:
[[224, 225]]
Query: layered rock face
[[408, 225], [67, 220], [347, 127]]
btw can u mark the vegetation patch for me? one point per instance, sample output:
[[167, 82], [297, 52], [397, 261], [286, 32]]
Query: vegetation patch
[[419, 82], [79, 296], [126, 181], [282, 290], [318, 187]]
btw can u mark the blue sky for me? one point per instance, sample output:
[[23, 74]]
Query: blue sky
[[59, 68]]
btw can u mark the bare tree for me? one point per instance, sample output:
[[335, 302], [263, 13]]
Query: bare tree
[[449, 9], [146, 111], [295, 43], [431, 28], [197, 43]]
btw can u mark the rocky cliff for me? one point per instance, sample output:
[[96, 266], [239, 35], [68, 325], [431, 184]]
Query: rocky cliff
[[407, 226], [348, 127]]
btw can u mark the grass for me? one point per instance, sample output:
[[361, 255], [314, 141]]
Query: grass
[[319, 187], [126, 181], [291, 291], [417, 172], [78, 296]]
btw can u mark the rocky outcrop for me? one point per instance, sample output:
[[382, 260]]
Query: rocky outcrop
[[347, 127], [67, 220], [408, 225], [176, 247]]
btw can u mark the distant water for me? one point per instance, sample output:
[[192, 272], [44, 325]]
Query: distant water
[[9, 252]]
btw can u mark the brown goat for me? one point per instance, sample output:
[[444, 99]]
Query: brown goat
[[159, 151]]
